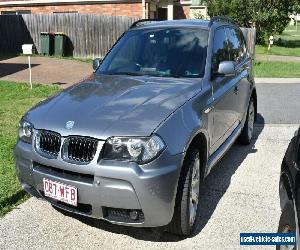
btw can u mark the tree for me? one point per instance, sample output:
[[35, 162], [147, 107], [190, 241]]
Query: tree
[[296, 8], [269, 17]]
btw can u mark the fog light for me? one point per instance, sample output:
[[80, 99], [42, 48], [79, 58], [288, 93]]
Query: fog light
[[134, 215]]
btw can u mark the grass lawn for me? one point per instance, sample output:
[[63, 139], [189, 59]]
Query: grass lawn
[[287, 43], [15, 100], [277, 69], [277, 50], [290, 33]]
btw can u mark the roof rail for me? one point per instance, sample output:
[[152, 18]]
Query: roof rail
[[143, 21], [220, 19]]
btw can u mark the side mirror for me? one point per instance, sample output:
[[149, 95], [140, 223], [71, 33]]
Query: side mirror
[[226, 68], [96, 63]]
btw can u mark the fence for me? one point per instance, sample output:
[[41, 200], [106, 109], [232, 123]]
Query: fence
[[88, 35]]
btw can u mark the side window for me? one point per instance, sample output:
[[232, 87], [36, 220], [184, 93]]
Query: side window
[[220, 49], [243, 43], [236, 48]]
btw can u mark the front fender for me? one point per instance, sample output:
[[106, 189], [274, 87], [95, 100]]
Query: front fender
[[182, 126]]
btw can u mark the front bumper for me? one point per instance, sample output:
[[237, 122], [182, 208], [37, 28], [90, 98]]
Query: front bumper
[[102, 185]]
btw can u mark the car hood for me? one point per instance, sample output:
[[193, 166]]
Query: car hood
[[105, 105]]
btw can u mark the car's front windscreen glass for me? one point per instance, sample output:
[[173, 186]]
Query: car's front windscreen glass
[[164, 52]]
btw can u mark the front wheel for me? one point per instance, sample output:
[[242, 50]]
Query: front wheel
[[187, 200], [247, 131], [287, 224]]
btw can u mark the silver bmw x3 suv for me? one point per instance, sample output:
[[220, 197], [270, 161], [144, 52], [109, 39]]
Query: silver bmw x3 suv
[[133, 142]]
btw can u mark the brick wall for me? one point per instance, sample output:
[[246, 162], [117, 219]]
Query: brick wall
[[111, 9]]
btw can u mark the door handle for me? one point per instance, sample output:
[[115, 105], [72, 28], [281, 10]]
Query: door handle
[[236, 89], [206, 111]]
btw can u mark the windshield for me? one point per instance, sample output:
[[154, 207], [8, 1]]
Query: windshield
[[169, 52]]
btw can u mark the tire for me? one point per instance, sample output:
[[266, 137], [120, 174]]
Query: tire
[[187, 198], [287, 221], [247, 131]]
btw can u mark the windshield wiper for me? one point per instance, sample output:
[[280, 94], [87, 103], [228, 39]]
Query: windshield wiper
[[163, 75], [126, 73], [142, 74]]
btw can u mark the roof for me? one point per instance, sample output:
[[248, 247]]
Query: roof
[[55, 2], [182, 22]]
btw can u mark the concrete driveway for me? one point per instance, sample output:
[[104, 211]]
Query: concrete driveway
[[240, 195], [45, 70]]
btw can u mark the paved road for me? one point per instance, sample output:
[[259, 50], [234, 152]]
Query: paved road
[[240, 195], [278, 103]]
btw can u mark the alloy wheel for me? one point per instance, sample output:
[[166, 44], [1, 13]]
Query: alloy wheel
[[194, 190], [287, 229], [251, 119]]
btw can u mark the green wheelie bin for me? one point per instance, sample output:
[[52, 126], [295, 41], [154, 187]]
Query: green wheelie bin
[[47, 42], [59, 44]]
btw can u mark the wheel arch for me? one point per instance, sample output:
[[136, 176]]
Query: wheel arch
[[200, 141], [287, 185], [254, 96]]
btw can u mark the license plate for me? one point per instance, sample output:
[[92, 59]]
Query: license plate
[[61, 192]]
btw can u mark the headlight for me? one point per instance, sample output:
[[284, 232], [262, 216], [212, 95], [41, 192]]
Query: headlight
[[25, 131], [141, 150]]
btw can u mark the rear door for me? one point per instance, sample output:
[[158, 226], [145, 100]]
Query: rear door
[[224, 107]]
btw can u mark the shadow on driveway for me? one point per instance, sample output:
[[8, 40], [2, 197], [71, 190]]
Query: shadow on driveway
[[11, 68], [212, 190]]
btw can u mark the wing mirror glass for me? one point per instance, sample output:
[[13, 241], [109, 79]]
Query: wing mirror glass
[[96, 63]]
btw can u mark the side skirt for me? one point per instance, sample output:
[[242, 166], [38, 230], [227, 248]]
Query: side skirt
[[219, 153]]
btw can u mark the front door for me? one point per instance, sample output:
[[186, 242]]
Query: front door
[[224, 92]]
